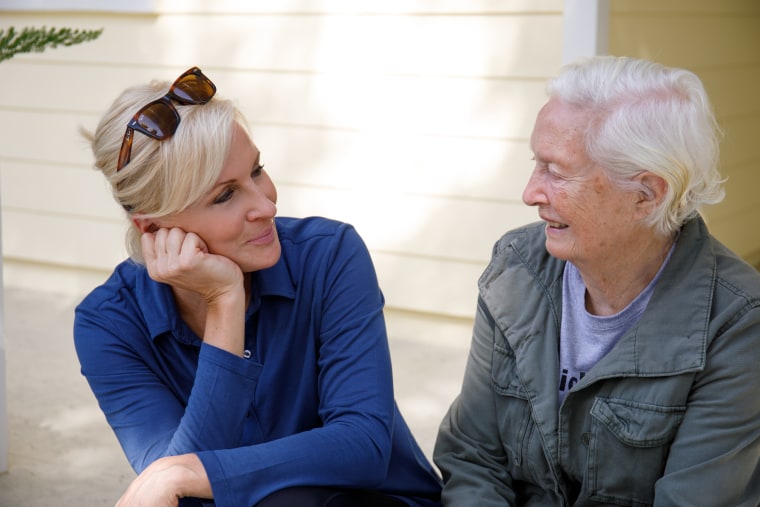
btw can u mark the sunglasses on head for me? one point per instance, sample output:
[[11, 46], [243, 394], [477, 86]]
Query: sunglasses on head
[[160, 118]]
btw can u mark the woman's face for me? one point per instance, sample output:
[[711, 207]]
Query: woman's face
[[236, 217], [588, 219]]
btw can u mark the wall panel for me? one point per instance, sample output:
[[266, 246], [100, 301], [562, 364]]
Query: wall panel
[[408, 119], [719, 41]]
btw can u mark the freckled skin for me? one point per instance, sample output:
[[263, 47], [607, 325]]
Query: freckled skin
[[567, 187], [590, 221]]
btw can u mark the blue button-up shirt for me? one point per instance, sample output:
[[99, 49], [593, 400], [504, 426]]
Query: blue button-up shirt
[[310, 404]]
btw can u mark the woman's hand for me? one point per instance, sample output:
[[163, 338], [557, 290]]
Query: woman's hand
[[167, 480], [181, 259]]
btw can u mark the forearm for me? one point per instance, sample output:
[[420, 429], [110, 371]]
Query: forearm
[[218, 405], [339, 455], [167, 480], [225, 322], [467, 450]]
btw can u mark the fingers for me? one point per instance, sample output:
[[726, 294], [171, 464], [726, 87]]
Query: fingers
[[169, 251], [182, 260], [169, 242], [147, 243]]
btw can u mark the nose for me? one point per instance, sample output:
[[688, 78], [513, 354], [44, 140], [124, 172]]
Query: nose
[[261, 204], [534, 194]]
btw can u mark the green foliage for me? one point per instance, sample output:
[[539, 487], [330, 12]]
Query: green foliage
[[29, 39]]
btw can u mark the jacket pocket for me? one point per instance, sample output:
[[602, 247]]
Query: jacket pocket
[[628, 447]]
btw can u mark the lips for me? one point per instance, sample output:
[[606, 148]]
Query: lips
[[264, 238], [552, 223]]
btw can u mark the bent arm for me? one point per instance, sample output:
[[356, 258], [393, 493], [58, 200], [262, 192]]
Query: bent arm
[[715, 457], [347, 441], [468, 449], [196, 401], [161, 393], [351, 444]]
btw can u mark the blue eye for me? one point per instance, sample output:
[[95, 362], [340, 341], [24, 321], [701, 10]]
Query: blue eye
[[224, 196]]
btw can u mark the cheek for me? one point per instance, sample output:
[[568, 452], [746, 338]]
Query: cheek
[[572, 204], [268, 188], [224, 234]]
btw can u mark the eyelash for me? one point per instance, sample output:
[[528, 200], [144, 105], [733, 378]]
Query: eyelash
[[226, 195], [547, 167]]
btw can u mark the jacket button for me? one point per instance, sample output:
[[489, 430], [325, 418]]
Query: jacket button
[[586, 438]]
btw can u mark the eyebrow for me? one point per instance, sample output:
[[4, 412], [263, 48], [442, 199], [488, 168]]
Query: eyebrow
[[256, 163]]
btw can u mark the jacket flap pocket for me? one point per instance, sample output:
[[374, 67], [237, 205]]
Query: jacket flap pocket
[[638, 424]]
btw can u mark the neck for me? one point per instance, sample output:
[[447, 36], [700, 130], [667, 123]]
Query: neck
[[612, 287]]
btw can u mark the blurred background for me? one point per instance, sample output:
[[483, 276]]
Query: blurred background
[[407, 118]]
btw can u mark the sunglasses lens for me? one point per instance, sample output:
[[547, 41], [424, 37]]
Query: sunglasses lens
[[157, 120], [193, 88], [160, 119]]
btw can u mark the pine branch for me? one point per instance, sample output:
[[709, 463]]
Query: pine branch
[[38, 39]]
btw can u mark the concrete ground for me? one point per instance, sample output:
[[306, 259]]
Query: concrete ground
[[63, 453]]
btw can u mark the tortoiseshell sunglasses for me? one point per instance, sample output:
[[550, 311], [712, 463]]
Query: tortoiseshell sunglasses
[[160, 118]]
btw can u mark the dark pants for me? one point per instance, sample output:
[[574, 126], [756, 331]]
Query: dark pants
[[328, 497]]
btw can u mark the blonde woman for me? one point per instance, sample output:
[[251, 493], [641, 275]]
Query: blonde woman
[[240, 358]]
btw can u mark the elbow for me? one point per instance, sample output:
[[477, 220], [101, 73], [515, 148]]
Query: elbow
[[370, 448], [377, 458]]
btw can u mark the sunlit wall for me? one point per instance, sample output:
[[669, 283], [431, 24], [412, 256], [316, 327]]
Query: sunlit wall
[[408, 119]]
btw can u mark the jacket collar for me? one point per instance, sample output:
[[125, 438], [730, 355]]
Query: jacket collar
[[671, 336]]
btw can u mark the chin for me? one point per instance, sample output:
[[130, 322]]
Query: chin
[[557, 252], [259, 262]]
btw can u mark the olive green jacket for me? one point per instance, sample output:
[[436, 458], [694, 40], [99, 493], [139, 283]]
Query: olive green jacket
[[671, 416]]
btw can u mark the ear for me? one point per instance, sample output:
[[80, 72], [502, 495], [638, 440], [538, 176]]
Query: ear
[[652, 192], [144, 224]]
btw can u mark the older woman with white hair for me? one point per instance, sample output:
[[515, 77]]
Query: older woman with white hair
[[616, 343]]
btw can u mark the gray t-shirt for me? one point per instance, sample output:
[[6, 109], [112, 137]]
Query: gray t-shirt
[[586, 338]]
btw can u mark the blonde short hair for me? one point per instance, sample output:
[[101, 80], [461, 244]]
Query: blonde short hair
[[163, 177]]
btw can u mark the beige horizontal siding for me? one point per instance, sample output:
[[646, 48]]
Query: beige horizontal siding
[[407, 119], [720, 41]]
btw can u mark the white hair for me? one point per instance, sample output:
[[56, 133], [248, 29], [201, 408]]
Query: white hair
[[648, 117]]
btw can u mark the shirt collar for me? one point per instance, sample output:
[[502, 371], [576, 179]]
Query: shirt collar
[[275, 281], [160, 310]]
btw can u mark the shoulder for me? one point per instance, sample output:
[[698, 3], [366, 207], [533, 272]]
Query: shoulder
[[129, 297], [520, 266], [107, 313], [315, 234], [319, 256], [737, 289], [701, 256], [316, 245], [522, 248], [526, 238], [735, 273], [122, 281]]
